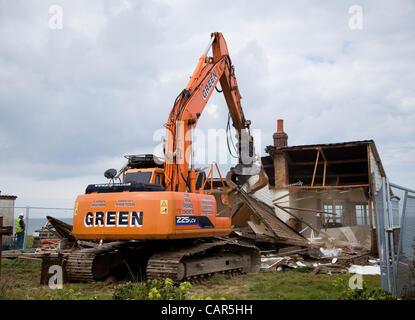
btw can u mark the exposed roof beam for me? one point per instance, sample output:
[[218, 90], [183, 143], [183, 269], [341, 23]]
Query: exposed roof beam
[[350, 186], [341, 175], [309, 163]]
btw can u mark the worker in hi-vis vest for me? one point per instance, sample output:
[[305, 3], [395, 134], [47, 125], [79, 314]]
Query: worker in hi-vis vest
[[19, 227]]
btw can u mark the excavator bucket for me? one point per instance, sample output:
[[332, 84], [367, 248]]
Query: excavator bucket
[[241, 174]]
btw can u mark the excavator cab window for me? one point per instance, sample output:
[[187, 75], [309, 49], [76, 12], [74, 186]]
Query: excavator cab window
[[157, 179], [139, 176]]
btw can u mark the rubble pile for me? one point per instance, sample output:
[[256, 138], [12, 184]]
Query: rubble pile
[[320, 261]]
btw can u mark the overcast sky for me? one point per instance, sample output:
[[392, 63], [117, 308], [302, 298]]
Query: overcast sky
[[74, 100]]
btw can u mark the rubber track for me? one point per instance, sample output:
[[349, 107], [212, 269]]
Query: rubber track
[[162, 265], [80, 264]]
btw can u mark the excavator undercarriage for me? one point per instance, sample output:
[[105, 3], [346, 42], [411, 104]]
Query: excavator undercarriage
[[179, 261], [203, 259]]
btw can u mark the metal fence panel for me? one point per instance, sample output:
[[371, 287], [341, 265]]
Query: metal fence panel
[[405, 265], [396, 204], [35, 218], [381, 208]]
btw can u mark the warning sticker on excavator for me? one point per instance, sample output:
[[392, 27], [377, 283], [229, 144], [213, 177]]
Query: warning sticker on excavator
[[75, 209], [164, 206]]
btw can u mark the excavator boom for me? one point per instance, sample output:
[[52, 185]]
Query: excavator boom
[[189, 106]]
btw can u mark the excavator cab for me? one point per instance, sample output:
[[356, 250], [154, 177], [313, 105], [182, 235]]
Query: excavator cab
[[149, 175], [145, 168]]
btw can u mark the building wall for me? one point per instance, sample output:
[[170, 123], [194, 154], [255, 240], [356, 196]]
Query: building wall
[[8, 218], [314, 199], [310, 199], [267, 195], [376, 174], [349, 231], [275, 194], [7, 213]]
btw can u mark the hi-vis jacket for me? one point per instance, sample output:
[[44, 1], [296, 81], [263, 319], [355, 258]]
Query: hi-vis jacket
[[18, 225]]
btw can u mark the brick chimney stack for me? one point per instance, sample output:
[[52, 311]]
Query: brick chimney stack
[[280, 137]]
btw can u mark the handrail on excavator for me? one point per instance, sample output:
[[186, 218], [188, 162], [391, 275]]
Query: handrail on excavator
[[202, 188]]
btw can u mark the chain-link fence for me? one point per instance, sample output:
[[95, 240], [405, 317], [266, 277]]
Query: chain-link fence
[[395, 212], [34, 219]]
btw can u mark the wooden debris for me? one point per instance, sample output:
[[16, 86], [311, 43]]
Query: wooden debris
[[47, 262], [329, 268], [29, 258], [348, 259], [276, 264], [88, 244], [308, 210], [64, 229], [13, 254], [3, 231], [264, 222], [292, 250], [297, 257], [325, 235]]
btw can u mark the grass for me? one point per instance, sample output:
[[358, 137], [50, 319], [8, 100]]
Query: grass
[[284, 285], [20, 280]]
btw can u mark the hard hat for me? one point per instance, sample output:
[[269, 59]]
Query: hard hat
[[21, 215]]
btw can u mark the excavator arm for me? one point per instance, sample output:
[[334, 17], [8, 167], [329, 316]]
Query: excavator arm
[[188, 108]]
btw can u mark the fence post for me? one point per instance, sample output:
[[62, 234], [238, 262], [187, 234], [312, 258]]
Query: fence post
[[4, 231], [26, 227], [389, 229], [385, 237]]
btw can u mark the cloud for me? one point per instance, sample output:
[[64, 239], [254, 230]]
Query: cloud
[[74, 101], [212, 110]]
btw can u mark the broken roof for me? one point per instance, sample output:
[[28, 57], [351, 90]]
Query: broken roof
[[277, 230], [347, 160], [323, 145]]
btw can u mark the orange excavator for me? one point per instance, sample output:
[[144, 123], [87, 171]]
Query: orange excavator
[[161, 215]]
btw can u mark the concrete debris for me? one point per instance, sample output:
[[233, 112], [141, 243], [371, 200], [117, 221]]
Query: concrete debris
[[300, 264], [330, 252], [364, 270]]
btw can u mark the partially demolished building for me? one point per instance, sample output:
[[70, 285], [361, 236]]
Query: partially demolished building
[[325, 190]]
